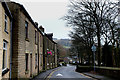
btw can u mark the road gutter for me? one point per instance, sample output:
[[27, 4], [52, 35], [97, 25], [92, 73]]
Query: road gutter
[[89, 76]]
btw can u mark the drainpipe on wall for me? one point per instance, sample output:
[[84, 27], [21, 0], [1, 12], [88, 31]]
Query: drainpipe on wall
[[37, 46], [38, 50], [43, 52], [11, 52]]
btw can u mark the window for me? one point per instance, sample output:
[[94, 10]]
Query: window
[[4, 55], [6, 23], [40, 41], [26, 29], [35, 60], [26, 61], [35, 37], [47, 43], [41, 59]]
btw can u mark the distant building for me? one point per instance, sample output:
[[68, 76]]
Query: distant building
[[49, 61]]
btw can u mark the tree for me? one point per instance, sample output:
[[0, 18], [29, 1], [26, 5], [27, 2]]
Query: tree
[[88, 19], [62, 51]]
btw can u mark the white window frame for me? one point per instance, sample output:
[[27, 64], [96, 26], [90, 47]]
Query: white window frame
[[26, 29], [6, 22], [5, 48]]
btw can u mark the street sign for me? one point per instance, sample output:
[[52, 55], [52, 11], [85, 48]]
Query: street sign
[[93, 48]]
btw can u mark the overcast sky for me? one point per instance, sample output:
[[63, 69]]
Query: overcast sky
[[48, 13]]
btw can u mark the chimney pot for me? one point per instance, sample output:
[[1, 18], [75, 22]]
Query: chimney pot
[[36, 23]]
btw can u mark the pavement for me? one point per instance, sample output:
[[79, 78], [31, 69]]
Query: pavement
[[68, 73], [97, 76]]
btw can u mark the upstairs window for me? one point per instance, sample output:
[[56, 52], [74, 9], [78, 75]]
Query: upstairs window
[[47, 44], [26, 29], [4, 65], [40, 41], [35, 37], [6, 23]]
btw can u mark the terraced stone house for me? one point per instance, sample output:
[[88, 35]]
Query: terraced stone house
[[5, 40], [27, 59], [25, 48], [49, 60]]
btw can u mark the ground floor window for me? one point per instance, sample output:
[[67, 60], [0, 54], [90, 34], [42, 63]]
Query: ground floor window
[[41, 60], [26, 61], [4, 65], [36, 60]]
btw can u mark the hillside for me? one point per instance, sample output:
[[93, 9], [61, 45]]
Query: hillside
[[66, 43]]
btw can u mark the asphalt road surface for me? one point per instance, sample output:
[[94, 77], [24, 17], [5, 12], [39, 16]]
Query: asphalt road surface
[[67, 73]]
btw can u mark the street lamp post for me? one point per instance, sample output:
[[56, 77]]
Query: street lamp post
[[94, 49], [94, 60]]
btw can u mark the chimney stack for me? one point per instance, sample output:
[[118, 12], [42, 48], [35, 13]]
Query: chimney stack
[[36, 23], [41, 28], [50, 35]]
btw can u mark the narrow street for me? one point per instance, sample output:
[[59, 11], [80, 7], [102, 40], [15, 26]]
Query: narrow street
[[67, 72]]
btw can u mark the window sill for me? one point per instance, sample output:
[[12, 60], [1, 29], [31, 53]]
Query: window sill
[[27, 39], [6, 31], [36, 67], [27, 71], [4, 71], [36, 43]]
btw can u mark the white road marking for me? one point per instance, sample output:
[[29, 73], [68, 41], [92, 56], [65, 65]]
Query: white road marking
[[59, 75], [48, 77]]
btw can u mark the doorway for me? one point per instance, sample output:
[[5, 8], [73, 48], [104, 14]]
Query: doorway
[[31, 65]]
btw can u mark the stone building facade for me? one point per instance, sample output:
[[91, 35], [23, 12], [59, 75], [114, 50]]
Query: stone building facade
[[56, 55], [24, 47], [5, 40], [49, 46], [27, 43], [49, 61]]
